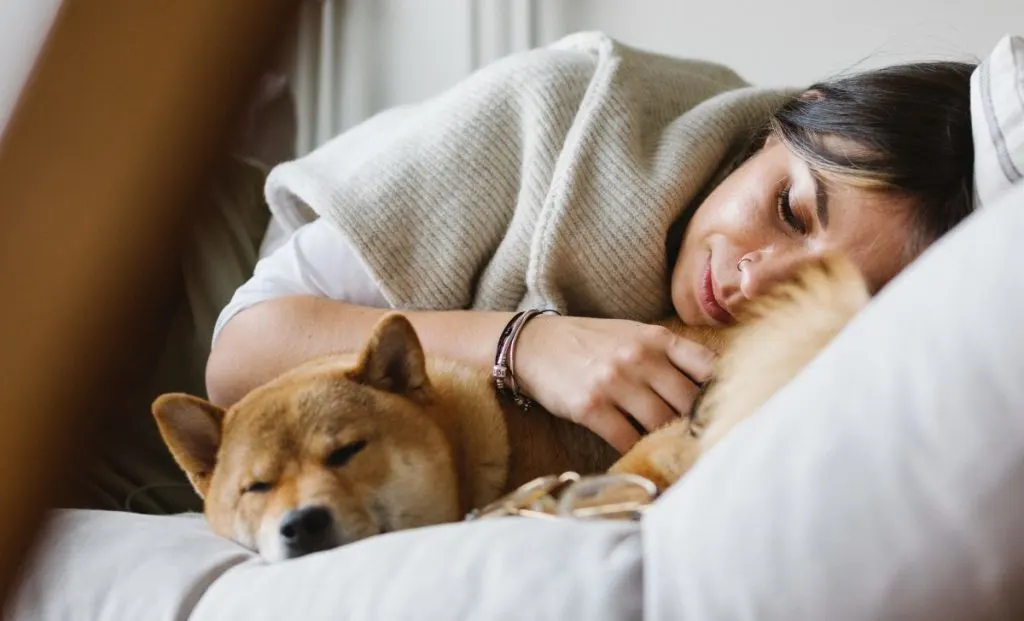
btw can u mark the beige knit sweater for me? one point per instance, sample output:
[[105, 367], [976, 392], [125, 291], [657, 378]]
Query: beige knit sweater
[[547, 179]]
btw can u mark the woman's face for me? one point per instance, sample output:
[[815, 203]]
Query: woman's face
[[773, 214]]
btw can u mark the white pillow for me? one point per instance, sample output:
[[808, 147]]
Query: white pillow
[[887, 480], [113, 566], [108, 566], [997, 112]]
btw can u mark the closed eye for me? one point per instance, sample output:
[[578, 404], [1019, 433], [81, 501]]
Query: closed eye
[[257, 487], [786, 213], [341, 456]]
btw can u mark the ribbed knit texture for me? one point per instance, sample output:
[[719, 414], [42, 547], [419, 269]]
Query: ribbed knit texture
[[549, 178]]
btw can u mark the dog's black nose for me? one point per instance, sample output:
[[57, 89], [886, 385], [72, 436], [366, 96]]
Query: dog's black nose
[[306, 530]]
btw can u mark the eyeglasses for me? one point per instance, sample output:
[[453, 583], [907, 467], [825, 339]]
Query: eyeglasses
[[612, 496]]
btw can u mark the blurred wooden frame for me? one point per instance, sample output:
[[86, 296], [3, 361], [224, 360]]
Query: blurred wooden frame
[[129, 105]]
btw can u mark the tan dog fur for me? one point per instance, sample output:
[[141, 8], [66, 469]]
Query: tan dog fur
[[390, 439], [776, 336]]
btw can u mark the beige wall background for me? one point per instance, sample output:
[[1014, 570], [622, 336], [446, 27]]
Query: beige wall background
[[356, 57], [401, 51]]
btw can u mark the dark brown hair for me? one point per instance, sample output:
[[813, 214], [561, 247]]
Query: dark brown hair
[[911, 125]]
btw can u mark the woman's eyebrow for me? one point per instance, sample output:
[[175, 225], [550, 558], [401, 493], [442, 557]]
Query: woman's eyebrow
[[820, 198]]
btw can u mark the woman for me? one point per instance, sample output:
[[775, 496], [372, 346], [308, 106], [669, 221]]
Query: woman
[[610, 156]]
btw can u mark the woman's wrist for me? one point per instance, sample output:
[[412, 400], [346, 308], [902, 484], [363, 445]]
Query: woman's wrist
[[529, 346], [504, 371]]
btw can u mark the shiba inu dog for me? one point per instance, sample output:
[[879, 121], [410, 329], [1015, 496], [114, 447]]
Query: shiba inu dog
[[349, 446], [353, 445]]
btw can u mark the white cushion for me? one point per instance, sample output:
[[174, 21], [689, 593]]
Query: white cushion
[[885, 481], [126, 567], [997, 113], [510, 569], [113, 566]]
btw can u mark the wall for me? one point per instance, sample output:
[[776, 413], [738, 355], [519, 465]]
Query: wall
[[360, 56], [400, 51], [799, 41]]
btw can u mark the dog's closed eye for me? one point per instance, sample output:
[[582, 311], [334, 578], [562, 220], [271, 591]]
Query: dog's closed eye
[[257, 487], [341, 456]]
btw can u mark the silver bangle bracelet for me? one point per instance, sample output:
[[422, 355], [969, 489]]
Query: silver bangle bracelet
[[504, 363]]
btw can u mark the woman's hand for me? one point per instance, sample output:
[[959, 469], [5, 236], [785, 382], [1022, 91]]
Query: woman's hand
[[596, 372]]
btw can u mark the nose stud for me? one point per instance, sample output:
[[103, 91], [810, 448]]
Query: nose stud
[[739, 266]]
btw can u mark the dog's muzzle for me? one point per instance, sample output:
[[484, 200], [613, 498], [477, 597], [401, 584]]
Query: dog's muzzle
[[307, 530]]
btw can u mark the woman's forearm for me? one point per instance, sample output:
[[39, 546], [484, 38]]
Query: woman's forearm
[[595, 372], [269, 338]]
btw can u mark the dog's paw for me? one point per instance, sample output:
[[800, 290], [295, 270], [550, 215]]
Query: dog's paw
[[663, 456]]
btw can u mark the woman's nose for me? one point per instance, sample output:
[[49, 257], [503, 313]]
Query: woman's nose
[[759, 271]]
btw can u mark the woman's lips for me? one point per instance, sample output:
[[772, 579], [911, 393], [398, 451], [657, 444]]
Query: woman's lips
[[709, 302]]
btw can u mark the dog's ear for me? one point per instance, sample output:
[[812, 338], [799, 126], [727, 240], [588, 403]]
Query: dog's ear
[[393, 359], [191, 428]]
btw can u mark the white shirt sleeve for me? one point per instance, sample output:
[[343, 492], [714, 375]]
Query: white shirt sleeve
[[315, 260], [275, 237]]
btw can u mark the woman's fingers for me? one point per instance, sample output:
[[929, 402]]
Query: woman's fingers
[[612, 425], [676, 390], [661, 372], [690, 357], [646, 406]]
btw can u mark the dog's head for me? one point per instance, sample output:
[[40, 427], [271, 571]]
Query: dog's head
[[331, 452]]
